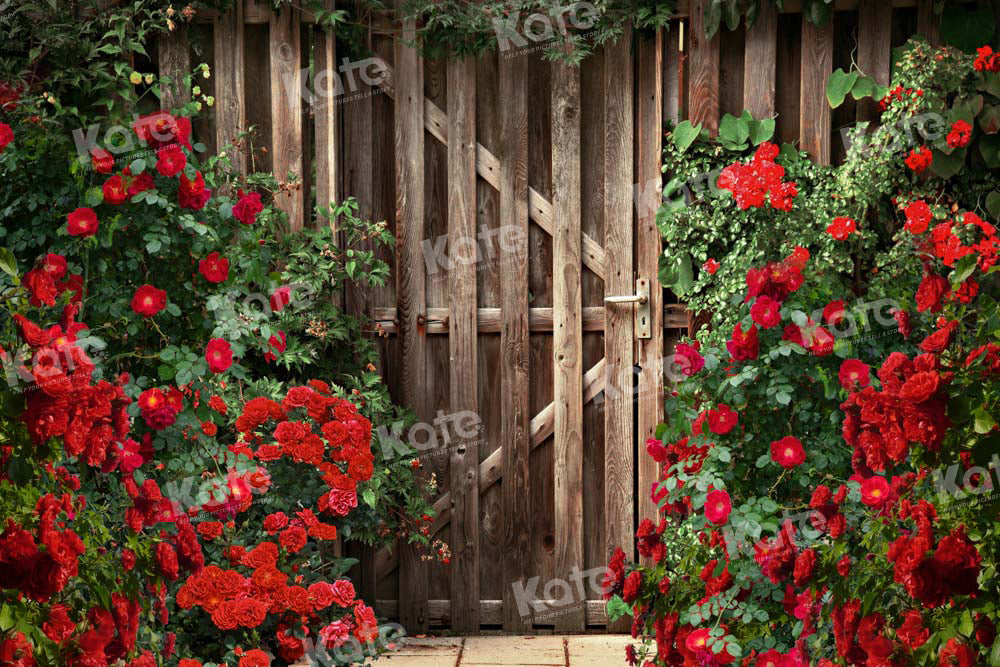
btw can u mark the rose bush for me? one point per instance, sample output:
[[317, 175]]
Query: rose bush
[[826, 494]]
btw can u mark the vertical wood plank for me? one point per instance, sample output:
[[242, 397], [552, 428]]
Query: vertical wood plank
[[462, 343], [230, 105], [648, 243], [410, 294], [325, 120], [786, 98], [928, 23], [619, 280], [703, 68], [760, 63], [286, 109], [874, 49], [567, 331], [814, 111], [514, 341], [174, 53]]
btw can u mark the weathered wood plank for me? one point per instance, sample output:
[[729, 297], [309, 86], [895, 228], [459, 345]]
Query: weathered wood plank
[[928, 22], [410, 293], [230, 106], [325, 112], [814, 111], [490, 320], [174, 54], [568, 332], [514, 341], [285, 48], [672, 72], [619, 328], [760, 63], [648, 243], [462, 341], [874, 49], [491, 611], [703, 66]]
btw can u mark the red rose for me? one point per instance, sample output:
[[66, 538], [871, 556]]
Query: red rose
[[930, 293], [60, 626], [6, 136], [192, 194], [102, 161], [219, 355], [114, 190], [960, 134], [766, 312], [41, 287], [854, 374], [210, 530], [743, 346], [82, 222], [874, 491], [275, 522], [160, 129], [718, 505], [920, 386], [170, 161], [788, 452], [255, 658], [265, 553], [722, 420], [148, 301], [912, 632], [166, 561], [957, 654], [247, 208], [293, 538], [141, 183], [343, 593], [31, 333], [844, 566], [16, 650], [214, 268], [940, 339], [805, 564], [633, 583], [711, 266], [280, 298]]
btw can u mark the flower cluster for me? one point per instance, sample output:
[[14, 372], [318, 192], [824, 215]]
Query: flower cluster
[[759, 181]]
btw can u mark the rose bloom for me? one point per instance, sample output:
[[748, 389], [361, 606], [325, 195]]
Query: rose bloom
[[722, 420], [148, 301], [82, 222], [343, 593], [854, 374], [711, 266], [788, 452], [766, 312], [151, 399], [170, 160], [114, 190], [293, 538], [255, 658], [717, 507], [874, 491], [6, 136], [841, 228], [210, 530], [247, 208], [918, 217], [219, 355], [960, 134], [214, 268]]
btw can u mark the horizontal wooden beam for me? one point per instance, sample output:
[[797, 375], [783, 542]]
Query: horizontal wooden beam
[[490, 320], [491, 611], [254, 15]]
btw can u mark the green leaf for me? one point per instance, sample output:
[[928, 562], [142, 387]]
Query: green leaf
[[964, 269], [863, 87], [945, 165], [761, 131], [731, 14], [734, 130], [8, 264], [369, 497], [684, 135], [989, 147], [93, 197], [839, 84], [617, 608], [984, 421], [712, 18], [993, 203], [989, 119]]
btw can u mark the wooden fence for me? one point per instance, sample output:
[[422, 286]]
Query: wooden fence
[[509, 183]]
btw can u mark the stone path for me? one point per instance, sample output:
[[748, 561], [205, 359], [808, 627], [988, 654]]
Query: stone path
[[547, 651]]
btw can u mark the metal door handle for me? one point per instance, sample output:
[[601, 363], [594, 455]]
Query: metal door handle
[[633, 298]]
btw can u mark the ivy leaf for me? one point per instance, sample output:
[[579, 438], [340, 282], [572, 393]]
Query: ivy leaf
[[993, 203], [983, 421], [989, 119], [684, 135], [731, 13], [734, 130], [863, 87], [839, 84], [761, 131], [945, 165], [712, 18]]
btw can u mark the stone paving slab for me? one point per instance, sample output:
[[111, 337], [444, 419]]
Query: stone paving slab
[[510, 651]]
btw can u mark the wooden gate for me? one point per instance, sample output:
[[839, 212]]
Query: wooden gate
[[518, 191]]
